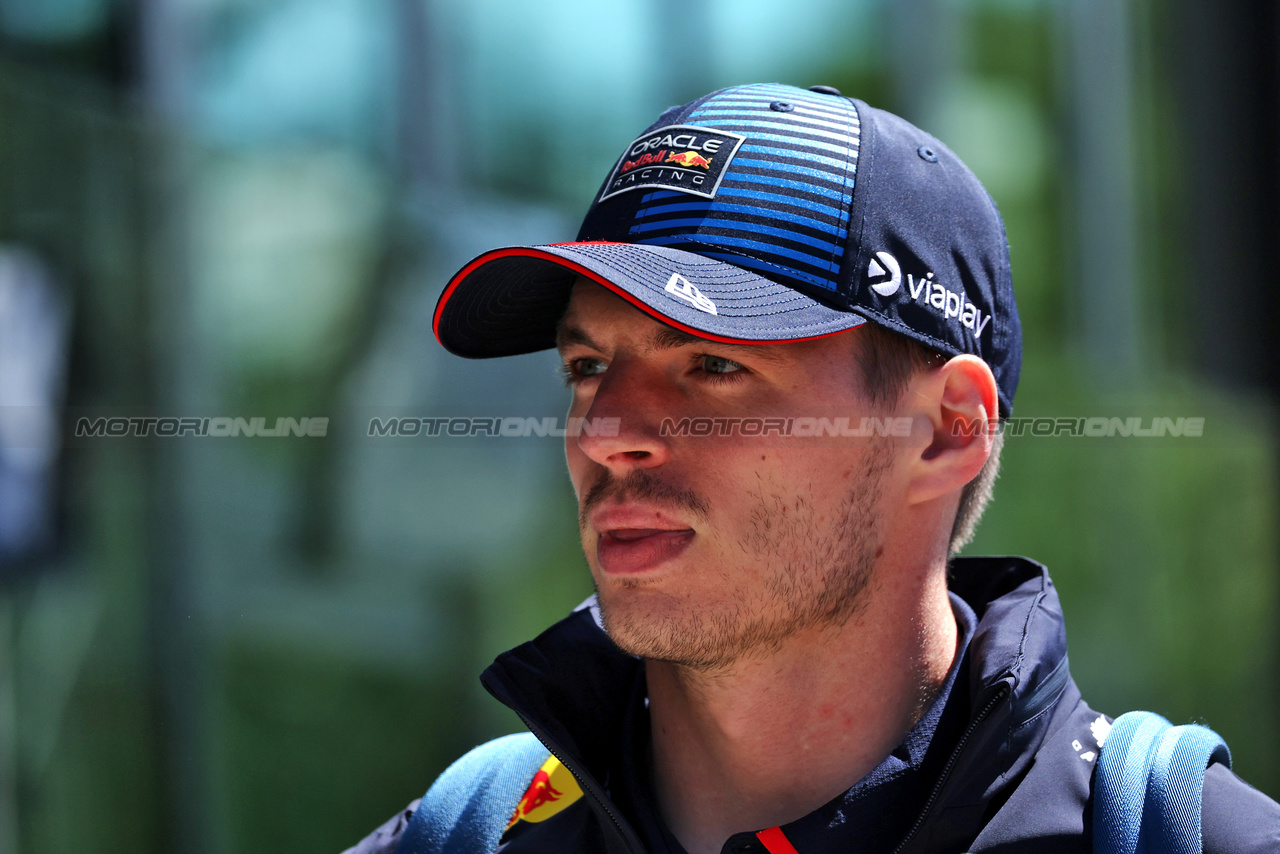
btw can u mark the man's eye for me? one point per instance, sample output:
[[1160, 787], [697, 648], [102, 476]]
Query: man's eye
[[579, 369], [719, 365]]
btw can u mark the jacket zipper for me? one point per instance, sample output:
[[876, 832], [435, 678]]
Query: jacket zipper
[[1047, 693], [1001, 693], [589, 785]]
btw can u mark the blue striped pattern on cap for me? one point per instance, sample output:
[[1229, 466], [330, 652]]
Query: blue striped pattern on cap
[[782, 208]]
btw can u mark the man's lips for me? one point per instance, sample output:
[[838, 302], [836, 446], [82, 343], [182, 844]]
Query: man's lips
[[634, 516], [629, 551], [634, 539]]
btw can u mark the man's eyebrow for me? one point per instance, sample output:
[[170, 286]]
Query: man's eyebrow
[[568, 335], [669, 339]]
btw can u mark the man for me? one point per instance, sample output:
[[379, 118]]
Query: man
[[787, 324]]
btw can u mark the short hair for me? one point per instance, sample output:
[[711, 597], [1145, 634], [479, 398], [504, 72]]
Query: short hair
[[888, 362]]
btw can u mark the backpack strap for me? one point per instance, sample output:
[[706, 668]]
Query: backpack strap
[[466, 810], [1149, 785]]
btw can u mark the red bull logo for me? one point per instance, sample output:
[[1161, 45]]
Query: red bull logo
[[689, 158], [682, 158], [643, 160], [539, 793], [552, 789]]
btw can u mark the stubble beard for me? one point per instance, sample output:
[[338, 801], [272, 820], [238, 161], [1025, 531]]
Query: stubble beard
[[816, 575]]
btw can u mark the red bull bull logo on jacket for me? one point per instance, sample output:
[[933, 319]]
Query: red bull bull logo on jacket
[[684, 158], [552, 789]]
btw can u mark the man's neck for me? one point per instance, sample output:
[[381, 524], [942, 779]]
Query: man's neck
[[770, 739]]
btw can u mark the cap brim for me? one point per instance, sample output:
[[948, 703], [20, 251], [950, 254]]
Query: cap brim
[[508, 301]]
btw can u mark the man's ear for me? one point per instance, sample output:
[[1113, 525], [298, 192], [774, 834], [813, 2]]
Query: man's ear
[[959, 403]]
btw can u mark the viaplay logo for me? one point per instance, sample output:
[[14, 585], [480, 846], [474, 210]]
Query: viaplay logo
[[683, 158], [883, 264], [927, 292]]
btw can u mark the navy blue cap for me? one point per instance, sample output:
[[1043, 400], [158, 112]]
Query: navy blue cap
[[766, 214]]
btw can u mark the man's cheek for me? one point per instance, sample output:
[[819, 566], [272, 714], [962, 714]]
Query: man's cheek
[[579, 405]]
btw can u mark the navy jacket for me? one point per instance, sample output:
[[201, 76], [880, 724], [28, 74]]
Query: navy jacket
[[1006, 766]]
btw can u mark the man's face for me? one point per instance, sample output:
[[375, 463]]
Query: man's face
[[707, 548]]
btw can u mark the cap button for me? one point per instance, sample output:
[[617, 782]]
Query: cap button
[[825, 90]]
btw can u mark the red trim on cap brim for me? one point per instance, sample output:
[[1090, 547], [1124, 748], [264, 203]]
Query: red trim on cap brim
[[598, 279]]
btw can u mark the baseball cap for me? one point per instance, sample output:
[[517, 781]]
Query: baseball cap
[[765, 214]]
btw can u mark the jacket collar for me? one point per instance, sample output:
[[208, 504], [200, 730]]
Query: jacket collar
[[1017, 673], [571, 686]]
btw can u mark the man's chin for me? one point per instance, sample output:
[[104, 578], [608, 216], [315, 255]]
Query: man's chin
[[638, 621], [658, 627]]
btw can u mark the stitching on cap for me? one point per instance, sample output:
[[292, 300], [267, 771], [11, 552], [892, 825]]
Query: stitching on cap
[[788, 273], [897, 324], [711, 265], [847, 207]]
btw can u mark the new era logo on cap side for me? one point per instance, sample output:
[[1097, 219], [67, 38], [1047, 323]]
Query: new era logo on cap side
[[927, 292], [679, 157], [679, 286]]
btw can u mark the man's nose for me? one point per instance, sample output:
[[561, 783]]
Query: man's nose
[[630, 398]]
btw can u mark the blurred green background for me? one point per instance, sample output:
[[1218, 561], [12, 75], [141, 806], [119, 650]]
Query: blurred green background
[[248, 208]]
